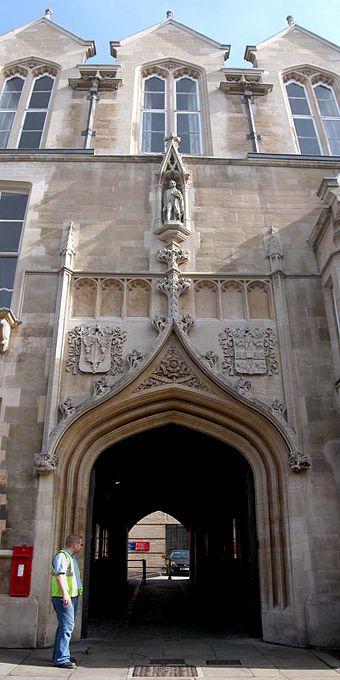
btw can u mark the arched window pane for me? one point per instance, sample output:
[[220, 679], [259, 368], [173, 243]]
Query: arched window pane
[[153, 115], [297, 99], [326, 101], [188, 116], [34, 120], [41, 94], [330, 115], [303, 120], [9, 100]]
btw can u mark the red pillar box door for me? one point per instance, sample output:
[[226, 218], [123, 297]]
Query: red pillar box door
[[21, 571]]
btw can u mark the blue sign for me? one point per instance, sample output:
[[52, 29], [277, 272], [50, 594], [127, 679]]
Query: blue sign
[[132, 545]]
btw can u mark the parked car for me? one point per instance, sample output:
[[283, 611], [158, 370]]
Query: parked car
[[178, 562]]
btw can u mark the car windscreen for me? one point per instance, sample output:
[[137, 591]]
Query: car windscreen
[[183, 554]]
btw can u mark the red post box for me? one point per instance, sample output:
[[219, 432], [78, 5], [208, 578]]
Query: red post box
[[21, 571]]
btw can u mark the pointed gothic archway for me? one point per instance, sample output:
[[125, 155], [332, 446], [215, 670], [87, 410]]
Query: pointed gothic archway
[[214, 499], [174, 388]]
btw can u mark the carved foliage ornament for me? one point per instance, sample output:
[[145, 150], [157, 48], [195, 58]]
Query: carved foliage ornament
[[249, 351], [45, 462], [95, 349], [173, 369]]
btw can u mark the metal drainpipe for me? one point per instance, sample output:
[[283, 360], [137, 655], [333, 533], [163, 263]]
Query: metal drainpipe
[[93, 98], [247, 97]]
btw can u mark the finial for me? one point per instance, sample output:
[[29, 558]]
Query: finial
[[290, 20], [169, 14], [48, 13]]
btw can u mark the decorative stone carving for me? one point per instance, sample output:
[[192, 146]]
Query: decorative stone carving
[[134, 359], [279, 409], [249, 351], [172, 369], [45, 463], [7, 322], [160, 322], [173, 255], [186, 323], [273, 248], [67, 407], [244, 387], [172, 219], [101, 386], [298, 462], [211, 358], [95, 349], [67, 250]]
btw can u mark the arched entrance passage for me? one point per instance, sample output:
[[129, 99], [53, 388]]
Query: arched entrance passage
[[211, 494], [174, 388]]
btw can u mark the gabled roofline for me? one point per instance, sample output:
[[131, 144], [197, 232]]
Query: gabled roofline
[[177, 24], [250, 49], [90, 44]]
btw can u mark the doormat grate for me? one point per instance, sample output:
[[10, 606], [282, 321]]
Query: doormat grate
[[223, 662], [167, 662], [165, 671]]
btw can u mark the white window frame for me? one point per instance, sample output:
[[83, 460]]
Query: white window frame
[[170, 77], [322, 118], [13, 254], [30, 77], [144, 110], [12, 110], [196, 112], [303, 116], [309, 81], [29, 110]]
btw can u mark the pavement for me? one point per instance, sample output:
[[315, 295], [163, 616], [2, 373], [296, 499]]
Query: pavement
[[160, 636]]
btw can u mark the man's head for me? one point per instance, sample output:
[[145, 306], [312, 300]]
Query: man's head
[[74, 543], [172, 183]]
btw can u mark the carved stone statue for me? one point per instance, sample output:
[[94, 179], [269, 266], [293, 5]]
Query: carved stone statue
[[173, 204]]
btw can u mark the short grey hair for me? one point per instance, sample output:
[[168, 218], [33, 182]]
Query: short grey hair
[[72, 539]]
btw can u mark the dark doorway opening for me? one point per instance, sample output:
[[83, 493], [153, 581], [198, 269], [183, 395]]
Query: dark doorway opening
[[209, 488]]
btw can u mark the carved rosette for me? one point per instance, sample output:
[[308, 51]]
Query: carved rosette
[[95, 349], [249, 351], [173, 369], [45, 463]]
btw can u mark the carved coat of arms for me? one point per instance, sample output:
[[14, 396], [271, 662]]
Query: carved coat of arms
[[95, 349], [249, 351]]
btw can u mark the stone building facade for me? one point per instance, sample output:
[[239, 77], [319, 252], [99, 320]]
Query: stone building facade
[[169, 314]]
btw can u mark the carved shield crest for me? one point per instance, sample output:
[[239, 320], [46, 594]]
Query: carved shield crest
[[95, 352], [95, 349]]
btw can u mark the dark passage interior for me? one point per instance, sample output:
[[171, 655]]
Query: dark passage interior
[[209, 488]]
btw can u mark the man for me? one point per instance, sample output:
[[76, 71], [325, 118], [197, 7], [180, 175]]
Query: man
[[66, 587], [173, 204]]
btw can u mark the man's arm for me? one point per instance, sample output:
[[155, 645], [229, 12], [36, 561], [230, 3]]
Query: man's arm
[[62, 583]]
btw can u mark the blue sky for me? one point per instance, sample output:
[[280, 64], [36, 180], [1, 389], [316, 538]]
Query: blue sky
[[236, 23]]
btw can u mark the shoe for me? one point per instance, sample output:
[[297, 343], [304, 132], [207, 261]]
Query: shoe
[[66, 664], [73, 659]]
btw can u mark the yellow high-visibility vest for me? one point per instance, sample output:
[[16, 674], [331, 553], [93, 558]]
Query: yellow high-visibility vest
[[70, 577]]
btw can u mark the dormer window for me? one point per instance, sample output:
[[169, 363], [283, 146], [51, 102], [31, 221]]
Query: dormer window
[[170, 103], [24, 104], [315, 113]]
